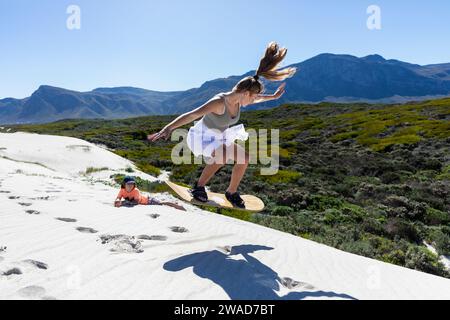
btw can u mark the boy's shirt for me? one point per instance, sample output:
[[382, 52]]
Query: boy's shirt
[[134, 195]]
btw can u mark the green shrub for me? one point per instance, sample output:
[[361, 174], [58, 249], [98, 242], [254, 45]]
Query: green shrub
[[238, 214], [422, 259], [396, 227], [283, 176], [184, 171], [93, 170], [445, 174], [149, 169], [436, 217], [282, 211], [345, 135], [395, 257], [320, 203], [441, 241]]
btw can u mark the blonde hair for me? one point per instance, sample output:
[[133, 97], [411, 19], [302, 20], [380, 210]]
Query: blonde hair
[[267, 69]]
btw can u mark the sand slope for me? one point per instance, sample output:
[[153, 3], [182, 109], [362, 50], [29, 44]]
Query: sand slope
[[65, 240]]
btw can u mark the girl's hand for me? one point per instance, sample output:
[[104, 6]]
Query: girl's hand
[[280, 91], [164, 133], [117, 203]]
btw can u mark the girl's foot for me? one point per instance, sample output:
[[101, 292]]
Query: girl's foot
[[199, 193], [235, 199]]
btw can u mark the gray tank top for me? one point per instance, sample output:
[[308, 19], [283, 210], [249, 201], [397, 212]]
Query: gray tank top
[[221, 122]]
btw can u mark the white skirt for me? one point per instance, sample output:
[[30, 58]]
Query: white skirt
[[203, 140]]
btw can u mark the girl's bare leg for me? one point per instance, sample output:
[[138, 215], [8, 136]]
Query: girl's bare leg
[[208, 173], [210, 169], [242, 160], [234, 152]]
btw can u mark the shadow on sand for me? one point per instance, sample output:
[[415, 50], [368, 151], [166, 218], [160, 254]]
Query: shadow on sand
[[247, 279]]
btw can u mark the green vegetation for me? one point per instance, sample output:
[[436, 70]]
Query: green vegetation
[[283, 176], [91, 170], [368, 179]]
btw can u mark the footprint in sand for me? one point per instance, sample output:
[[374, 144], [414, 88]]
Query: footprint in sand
[[179, 229], [128, 246], [4, 191], [32, 292], [154, 238], [13, 271], [107, 238], [32, 212], [86, 230], [37, 264], [154, 216], [293, 284], [3, 248], [122, 243], [25, 204], [41, 198], [13, 197], [66, 219]]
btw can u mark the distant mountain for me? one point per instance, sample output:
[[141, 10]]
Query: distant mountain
[[51, 103], [326, 77]]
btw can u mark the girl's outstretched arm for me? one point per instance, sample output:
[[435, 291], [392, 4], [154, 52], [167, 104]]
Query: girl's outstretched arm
[[213, 105], [280, 91]]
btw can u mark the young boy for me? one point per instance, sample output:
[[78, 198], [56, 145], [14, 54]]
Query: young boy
[[133, 196]]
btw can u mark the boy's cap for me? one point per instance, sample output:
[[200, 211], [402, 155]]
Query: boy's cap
[[129, 180]]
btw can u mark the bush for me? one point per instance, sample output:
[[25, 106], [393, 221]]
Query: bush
[[353, 212], [238, 214], [283, 176], [396, 228], [362, 248], [93, 170], [422, 259], [282, 211], [390, 177], [436, 217], [295, 198], [441, 242], [149, 169], [403, 207], [184, 172], [275, 222], [332, 216], [395, 257], [320, 203]]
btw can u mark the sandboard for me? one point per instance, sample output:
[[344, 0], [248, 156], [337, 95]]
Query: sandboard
[[252, 203]]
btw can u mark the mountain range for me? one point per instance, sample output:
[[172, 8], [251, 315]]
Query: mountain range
[[326, 77]]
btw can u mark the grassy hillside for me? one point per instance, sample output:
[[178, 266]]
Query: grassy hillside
[[369, 179]]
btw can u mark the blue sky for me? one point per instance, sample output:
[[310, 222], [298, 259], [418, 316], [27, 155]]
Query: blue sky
[[178, 44]]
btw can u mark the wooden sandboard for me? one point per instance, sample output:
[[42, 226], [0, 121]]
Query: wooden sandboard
[[252, 203]]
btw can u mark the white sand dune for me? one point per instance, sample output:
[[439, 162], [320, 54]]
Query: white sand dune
[[61, 238]]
